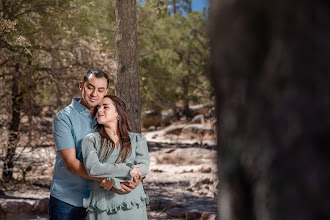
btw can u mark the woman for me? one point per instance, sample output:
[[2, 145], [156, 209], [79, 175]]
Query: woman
[[118, 155]]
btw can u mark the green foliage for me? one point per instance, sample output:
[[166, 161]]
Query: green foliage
[[169, 6], [103, 21], [174, 58]]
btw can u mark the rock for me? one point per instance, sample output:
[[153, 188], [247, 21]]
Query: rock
[[41, 206], [176, 212], [203, 192], [198, 119], [171, 206], [198, 129], [190, 189], [212, 217], [2, 213], [206, 181], [206, 170], [174, 129], [17, 207], [200, 109], [205, 216], [155, 205], [157, 170], [152, 128], [193, 214]]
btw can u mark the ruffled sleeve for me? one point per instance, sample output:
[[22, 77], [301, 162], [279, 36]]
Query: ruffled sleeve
[[142, 155], [94, 167]]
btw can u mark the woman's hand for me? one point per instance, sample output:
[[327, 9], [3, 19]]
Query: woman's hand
[[136, 172]]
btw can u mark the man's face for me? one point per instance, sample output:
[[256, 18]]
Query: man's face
[[93, 91]]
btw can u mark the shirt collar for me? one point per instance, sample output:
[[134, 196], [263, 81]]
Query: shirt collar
[[79, 107]]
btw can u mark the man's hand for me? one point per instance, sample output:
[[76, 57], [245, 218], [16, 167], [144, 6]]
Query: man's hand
[[107, 184], [128, 187]]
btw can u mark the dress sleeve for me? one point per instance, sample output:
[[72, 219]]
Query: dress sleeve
[[95, 168], [142, 155]]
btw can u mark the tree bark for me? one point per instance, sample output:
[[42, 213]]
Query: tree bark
[[17, 100], [127, 84], [271, 73]]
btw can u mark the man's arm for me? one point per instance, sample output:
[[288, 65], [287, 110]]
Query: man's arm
[[74, 165]]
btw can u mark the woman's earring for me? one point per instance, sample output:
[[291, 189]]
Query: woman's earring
[[118, 117]]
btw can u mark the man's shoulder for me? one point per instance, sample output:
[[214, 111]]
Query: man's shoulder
[[65, 113]]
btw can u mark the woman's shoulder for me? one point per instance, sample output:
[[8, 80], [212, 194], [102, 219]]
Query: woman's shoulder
[[136, 136], [92, 136]]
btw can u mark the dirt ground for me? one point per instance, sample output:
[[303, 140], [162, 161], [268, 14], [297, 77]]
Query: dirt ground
[[181, 174]]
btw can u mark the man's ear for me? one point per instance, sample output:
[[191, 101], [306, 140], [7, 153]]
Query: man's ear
[[81, 85]]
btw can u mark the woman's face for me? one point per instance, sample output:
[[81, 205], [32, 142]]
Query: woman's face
[[106, 112]]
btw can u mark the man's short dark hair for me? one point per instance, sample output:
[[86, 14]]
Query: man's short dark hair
[[98, 74]]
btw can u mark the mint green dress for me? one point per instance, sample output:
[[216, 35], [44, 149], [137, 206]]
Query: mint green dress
[[107, 204]]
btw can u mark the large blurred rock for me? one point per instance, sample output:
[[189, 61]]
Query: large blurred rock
[[193, 214], [176, 212], [174, 129], [17, 207], [41, 206]]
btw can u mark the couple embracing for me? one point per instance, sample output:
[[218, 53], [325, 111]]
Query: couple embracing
[[99, 162]]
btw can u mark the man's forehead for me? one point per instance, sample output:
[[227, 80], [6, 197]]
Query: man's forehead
[[97, 82]]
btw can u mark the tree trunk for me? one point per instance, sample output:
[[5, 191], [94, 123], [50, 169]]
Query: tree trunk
[[271, 73], [17, 100], [174, 6], [127, 77]]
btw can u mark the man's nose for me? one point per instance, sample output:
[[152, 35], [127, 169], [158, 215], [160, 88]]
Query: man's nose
[[93, 93]]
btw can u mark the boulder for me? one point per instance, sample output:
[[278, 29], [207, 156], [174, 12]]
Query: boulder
[[17, 207], [155, 205], [198, 119], [176, 212], [193, 215], [174, 129], [41, 206], [206, 170]]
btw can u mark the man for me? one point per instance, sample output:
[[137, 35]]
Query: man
[[70, 180]]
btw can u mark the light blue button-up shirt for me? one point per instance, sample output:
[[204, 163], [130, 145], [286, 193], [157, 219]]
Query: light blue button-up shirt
[[70, 126]]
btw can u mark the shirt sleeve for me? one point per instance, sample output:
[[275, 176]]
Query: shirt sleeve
[[95, 167], [142, 155], [62, 132]]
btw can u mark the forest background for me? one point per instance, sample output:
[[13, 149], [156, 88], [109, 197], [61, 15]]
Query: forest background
[[47, 46]]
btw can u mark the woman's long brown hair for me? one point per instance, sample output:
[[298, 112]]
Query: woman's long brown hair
[[123, 129]]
